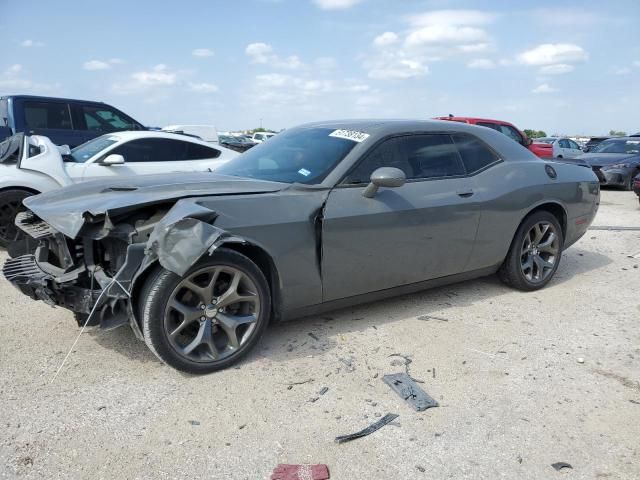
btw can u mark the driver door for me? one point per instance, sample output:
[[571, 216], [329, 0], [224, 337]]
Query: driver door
[[423, 230]]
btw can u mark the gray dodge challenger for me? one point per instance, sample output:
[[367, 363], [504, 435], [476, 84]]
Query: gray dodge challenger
[[321, 216]]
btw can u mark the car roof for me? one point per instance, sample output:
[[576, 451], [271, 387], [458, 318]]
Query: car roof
[[390, 126], [473, 119], [136, 134], [50, 99]]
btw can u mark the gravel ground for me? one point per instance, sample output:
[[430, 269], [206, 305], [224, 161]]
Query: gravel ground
[[504, 366]]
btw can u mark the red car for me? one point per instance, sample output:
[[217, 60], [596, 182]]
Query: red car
[[540, 149]]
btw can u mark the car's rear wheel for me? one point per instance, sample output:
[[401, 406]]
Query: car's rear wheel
[[10, 206], [629, 184], [209, 318], [535, 252]]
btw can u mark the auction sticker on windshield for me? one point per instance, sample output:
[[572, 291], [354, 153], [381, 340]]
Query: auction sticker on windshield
[[350, 135]]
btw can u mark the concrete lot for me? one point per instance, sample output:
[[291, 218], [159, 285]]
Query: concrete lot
[[503, 365]]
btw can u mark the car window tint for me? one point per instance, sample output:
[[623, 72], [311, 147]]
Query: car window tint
[[475, 154], [564, 143], [573, 145], [199, 152], [153, 150], [511, 132], [47, 115], [418, 156], [105, 119]]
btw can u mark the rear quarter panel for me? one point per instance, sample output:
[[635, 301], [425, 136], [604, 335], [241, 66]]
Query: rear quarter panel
[[510, 190]]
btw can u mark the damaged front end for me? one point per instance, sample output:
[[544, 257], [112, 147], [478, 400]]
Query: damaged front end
[[95, 273]]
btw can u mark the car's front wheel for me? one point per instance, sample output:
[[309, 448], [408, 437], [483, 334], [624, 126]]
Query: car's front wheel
[[534, 254], [209, 318]]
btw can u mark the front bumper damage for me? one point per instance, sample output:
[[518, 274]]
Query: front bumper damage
[[95, 274]]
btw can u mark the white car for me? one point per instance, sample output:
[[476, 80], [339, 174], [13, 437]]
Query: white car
[[33, 164], [562, 147], [208, 133], [260, 137]]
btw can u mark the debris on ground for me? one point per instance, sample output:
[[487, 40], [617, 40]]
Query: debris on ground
[[323, 390], [420, 468], [407, 361], [560, 465], [194, 422], [300, 472], [389, 417], [431, 317], [290, 385], [580, 360], [312, 335], [348, 363], [406, 387]]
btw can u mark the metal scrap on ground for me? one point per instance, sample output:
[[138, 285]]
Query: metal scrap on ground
[[560, 465], [389, 417], [409, 391]]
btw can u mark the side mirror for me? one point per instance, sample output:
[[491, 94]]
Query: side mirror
[[113, 159], [389, 177]]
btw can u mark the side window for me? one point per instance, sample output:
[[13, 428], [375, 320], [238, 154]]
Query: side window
[[200, 152], [511, 132], [564, 143], [47, 115], [153, 150], [573, 145], [418, 156], [475, 154], [105, 119]]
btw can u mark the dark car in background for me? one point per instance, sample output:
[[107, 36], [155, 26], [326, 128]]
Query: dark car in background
[[636, 186], [237, 143], [65, 121], [616, 161], [593, 142]]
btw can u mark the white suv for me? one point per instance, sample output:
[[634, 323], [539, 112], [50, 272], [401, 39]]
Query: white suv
[[260, 137]]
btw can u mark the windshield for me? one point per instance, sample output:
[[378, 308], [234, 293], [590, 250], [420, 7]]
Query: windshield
[[298, 155], [84, 152], [618, 146]]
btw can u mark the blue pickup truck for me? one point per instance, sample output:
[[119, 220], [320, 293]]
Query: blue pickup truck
[[64, 121]]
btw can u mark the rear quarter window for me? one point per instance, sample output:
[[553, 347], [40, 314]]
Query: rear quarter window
[[476, 155]]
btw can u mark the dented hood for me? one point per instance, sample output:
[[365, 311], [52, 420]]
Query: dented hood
[[65, 209]]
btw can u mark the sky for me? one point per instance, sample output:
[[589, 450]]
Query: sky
[[565, 67]]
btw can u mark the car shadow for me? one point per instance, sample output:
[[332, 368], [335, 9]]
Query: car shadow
[[320, 334]]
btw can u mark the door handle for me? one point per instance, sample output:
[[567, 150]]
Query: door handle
[[466, 193]]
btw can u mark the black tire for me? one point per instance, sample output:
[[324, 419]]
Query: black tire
[[629, 185], [10, 206], [511, 272], [162, 285]]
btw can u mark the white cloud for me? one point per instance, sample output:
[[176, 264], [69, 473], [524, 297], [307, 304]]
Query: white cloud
[[325, 63], [622, 71], [96, 65], [557, 69], [336, 4], [202, 52], [101, 64], [159, 75], [385, 39], [552, 54], [432, 36], [203, 87], [636, 63], [31, 43], [263, 53], [481, 63], [12, 78], [544, 88]]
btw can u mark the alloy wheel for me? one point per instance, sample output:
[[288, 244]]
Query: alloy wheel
[[539, 253], [212, 313]]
